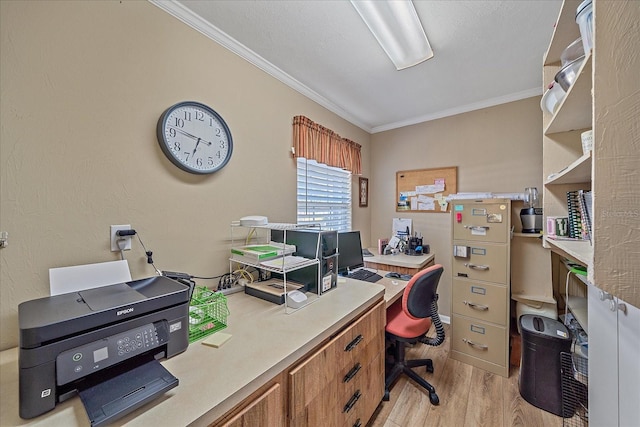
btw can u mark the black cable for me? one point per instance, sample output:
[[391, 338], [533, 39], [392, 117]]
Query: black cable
[[149, 254], [439, 338], [209, 278]]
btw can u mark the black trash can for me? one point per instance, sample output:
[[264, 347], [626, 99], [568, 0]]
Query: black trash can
[[543, 339]]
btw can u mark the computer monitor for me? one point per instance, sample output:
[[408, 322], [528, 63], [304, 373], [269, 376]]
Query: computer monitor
[[349, 252]]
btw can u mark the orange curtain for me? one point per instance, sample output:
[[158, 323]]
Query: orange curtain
[[316, 142]]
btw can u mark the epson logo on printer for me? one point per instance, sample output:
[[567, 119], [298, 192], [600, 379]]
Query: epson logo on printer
[[125, 311]]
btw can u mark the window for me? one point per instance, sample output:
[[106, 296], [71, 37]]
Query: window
[[324, 195]]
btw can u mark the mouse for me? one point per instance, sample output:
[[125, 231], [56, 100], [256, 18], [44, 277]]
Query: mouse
[[394, 275], [296, 299]]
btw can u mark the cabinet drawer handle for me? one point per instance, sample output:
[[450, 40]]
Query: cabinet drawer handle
[[352, 373], [476, 306], [352, 401], [354, 343], [358, 423], [476, 266], [476, 345], [477, 227]]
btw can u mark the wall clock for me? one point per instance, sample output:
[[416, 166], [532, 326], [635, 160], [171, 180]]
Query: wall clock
[[194, 137]]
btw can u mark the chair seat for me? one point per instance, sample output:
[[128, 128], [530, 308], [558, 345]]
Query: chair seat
[[399, 324]]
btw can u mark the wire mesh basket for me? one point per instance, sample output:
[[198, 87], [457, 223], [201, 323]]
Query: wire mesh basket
[[575, 390], [207, 313]]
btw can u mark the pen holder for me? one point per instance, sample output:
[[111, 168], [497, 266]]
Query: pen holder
[[414, 246]]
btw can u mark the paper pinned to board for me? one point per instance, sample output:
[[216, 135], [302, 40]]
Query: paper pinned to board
[[401, 227], [76, 278]]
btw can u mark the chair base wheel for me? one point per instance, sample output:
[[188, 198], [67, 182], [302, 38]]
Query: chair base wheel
[[434, 399], [429, 366], [386, 396]]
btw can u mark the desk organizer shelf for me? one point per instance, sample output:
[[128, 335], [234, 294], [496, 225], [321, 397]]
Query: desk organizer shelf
[[207, 313]]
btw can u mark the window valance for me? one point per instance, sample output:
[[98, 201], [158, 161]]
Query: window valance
[[316, 142]]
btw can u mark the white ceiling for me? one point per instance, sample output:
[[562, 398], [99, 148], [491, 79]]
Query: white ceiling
[[486, 53]]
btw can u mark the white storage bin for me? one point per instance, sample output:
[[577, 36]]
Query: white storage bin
[[584, 19], [536, 308]]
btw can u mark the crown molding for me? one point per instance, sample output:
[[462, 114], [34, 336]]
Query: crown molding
[[461, 109], [185, 15]]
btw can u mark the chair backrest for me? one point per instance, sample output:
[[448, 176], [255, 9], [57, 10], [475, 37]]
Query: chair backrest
[[421, 291]]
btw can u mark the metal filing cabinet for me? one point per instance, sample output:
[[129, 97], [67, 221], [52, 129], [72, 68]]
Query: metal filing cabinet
[[481, 275]]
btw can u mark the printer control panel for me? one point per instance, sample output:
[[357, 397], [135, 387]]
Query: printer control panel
[[95, 356]]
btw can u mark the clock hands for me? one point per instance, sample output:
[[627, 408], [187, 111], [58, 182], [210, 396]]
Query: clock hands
[[192, 136]]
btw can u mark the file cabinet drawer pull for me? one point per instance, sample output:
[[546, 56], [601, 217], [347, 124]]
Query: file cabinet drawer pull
[[477, 227], [352, 401], [358, 423], [354, 343], [476, 345], [476, 266], [476, 306], [352, 373]]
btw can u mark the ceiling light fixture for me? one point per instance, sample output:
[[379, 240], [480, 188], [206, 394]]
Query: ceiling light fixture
[[397, 28]]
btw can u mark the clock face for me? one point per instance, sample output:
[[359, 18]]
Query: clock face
[[194, 137]]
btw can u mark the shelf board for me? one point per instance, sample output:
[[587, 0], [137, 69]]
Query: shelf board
[[580, 277], [530, 235], [577, 250], [565, 32], [532, 298], [578, 306], [577, 172], [574, 112]]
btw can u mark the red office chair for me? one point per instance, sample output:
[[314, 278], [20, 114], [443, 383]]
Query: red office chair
[[408, 321]]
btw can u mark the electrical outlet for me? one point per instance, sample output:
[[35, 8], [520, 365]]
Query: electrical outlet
[[115, 237]]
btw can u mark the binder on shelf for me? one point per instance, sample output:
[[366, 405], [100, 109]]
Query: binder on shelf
[[586, 214], [573, 210], [254, 254]]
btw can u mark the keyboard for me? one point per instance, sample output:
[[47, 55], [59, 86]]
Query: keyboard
[[365, 275]]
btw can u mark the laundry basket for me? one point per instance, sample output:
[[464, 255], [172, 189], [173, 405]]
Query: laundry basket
[[575, 389]]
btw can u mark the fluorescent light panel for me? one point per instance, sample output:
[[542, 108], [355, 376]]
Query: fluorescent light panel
[[397, 28]]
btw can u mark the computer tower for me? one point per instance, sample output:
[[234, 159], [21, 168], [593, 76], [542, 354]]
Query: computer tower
[[310, 243]]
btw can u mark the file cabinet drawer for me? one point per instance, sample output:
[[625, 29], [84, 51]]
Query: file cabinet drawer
[[479, 339], [485, 261], [484, 222], [482, 301]]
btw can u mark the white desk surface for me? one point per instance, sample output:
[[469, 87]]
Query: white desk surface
[[265, 341], [399, 260]]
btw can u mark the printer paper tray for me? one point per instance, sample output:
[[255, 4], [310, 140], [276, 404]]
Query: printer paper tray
[[120, 395]]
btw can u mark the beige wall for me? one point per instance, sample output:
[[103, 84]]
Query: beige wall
[[496, 149], [83, 85]]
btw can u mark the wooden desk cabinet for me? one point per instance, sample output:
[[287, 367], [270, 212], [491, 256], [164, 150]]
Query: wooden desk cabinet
[[265, 410], [339, 384], [401, 263]]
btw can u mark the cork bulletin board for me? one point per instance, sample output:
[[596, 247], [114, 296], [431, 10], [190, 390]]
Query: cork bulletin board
[[424, 190]]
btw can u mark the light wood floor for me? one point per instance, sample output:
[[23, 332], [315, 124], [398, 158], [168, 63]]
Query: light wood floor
[[469, 397]]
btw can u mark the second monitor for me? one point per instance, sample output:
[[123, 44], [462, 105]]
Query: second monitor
[[349, 252]]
